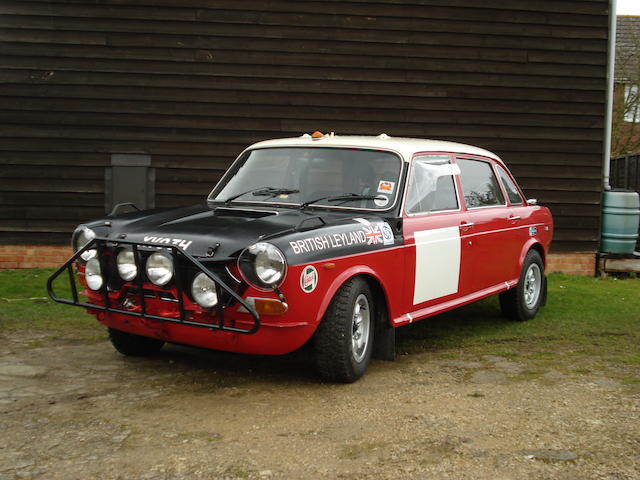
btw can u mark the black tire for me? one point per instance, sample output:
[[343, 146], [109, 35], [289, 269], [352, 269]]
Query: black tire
[[341, 354], [134, 345], [522, 302]]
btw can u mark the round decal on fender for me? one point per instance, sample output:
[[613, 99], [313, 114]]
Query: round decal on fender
[[308, 279]]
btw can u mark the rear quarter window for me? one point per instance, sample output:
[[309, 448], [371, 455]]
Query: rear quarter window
[[510, 187]]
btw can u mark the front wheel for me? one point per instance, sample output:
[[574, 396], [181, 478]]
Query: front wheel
[[134, 345], [523, 302], [344, 339]]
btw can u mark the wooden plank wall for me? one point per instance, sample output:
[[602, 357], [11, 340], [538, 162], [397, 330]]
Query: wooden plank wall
[[193, 82]]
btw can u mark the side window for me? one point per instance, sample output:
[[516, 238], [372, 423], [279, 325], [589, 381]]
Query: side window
[[479, 184], [512, 191], [432, 187]]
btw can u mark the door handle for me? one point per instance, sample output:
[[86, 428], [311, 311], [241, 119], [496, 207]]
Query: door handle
[[515, 217], [467, 225]]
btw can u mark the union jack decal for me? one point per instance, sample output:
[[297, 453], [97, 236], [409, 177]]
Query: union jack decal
[[373, 234]]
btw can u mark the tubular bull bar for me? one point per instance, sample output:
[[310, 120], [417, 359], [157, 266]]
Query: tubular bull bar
[[101, 244]]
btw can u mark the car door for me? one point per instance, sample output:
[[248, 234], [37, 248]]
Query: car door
[[437, 257], [489, 216]]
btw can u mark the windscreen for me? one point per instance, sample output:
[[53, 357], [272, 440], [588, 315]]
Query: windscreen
[[324, 177]]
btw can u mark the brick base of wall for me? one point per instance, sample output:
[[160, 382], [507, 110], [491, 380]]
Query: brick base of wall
[[33, 256], [572, 263], [40, 256]]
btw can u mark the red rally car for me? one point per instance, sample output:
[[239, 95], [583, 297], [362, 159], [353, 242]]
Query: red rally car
[[331, 239]]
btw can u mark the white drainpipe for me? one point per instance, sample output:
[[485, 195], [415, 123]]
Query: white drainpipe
[[608, 116]]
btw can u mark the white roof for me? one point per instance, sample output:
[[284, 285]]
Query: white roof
[[406, 147]]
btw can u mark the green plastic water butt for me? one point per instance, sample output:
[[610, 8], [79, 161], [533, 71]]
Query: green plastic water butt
[[620, 219]]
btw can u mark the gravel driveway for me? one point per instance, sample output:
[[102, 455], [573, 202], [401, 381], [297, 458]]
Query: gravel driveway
[[79, 411]]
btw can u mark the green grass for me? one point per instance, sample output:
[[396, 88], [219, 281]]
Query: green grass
[[581, 311], [24, 305], [588, 323]]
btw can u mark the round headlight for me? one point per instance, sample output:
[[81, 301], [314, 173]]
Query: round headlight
[[203, 290], [269, 263], [92, 274], [160, 268], [84, 236], [127, 265], [263, 265]]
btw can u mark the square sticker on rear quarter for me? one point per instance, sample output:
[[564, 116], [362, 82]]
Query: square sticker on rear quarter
[[385, 186]]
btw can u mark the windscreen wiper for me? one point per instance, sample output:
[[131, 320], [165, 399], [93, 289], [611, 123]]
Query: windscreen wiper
[[271, 191], [344, 197]]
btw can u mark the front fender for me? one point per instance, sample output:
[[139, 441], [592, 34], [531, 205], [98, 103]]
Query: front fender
[[340, 280]]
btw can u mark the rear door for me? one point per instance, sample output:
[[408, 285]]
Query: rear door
[[491, 239]]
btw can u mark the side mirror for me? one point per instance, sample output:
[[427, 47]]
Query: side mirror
[[532, 201]]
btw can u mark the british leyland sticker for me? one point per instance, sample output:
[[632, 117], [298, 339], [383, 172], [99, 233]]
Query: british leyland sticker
[[308, 279]]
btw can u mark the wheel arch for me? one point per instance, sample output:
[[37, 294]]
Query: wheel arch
[[375, 283], [533, 244]]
